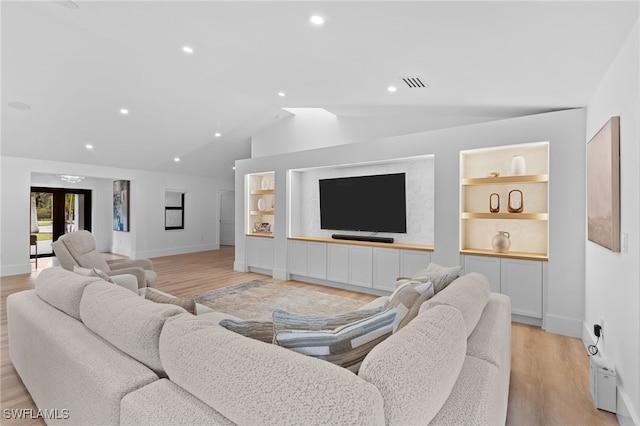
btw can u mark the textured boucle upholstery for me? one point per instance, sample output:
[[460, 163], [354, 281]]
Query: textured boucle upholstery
[[468, 293], [65, 366], [179, 407], [417, 369], [82, 247], [63, 290], [251, 382], [472, 400], [127, 321], [486, 341]]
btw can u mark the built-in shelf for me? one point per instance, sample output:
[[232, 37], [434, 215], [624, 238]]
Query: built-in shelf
[[510, 254], [259, 204], [506, 180], [260, 234], [517, 216], [262, 212], [263, 192]]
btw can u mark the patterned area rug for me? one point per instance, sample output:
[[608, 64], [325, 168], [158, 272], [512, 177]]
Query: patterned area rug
[[257, 299]]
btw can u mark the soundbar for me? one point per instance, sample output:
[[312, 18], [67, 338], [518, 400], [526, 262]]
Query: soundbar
[[370, 239]]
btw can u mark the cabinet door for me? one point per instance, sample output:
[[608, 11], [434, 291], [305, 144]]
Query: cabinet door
[[412, 261], [317, 260], [259, 252], [338, 263], [487, 266], [298, 257], [522, 281], [386, 268], [361, 266]]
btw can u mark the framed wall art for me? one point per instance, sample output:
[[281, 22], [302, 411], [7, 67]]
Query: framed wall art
[[603, 186], [173, 210], [121, 205]]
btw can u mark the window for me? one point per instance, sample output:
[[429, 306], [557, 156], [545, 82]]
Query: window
[[173, 210]]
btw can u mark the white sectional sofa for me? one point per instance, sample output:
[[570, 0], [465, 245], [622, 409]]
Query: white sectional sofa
[[108, 356]]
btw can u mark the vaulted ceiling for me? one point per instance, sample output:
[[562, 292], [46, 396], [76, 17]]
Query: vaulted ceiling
[[77, 64]]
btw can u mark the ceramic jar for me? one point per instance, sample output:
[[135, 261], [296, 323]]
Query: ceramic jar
[[501, 242], [518, 165]]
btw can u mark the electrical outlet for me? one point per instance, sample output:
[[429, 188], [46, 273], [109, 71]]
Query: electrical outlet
[[601, 323]]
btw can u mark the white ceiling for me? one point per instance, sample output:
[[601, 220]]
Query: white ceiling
[[77, 67]]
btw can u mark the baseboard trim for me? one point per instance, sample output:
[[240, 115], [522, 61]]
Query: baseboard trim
[[280, 274], [9, 270], [173, 251], [367, 290], [562, 325], [240, 267]]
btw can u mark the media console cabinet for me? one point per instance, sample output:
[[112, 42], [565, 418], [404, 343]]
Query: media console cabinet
[[369, 267]]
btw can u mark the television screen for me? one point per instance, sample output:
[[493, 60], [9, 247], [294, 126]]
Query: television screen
[[364, 203]]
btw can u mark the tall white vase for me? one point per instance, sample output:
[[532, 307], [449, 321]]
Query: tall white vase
[[518, 165]]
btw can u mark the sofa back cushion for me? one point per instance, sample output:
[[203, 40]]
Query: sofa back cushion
[[127, 321], [416, 369], [468, 293], [252, 382], [82, 248], [63, 289]]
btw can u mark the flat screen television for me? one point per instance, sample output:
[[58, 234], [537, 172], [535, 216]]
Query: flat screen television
[[375, 203]]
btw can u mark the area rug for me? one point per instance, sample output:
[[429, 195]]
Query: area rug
[[257, 299]]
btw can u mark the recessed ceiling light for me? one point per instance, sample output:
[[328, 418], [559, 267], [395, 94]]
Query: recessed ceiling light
[[234, 167], [218, 134], [187, 49], [392, 89], [177, 159], [317, 20], [88, 146], [124, 111], [21, 106], [282, 94]]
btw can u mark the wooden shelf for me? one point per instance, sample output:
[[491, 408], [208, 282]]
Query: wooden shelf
[[506, 179], [365, 243], [520, 216], [263, 192], [510, 254], [262, 212], [260, 234]]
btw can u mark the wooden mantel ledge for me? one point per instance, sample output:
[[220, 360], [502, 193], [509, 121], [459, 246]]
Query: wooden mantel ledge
[[403, 246]]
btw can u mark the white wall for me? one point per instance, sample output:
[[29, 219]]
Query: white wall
[[147, 237], [565, 131], [612, 290]]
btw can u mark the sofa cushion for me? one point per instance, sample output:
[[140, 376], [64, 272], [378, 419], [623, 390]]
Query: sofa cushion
[[417, 368], [440, 276], [127, 321], [345, 346], [187, 303], [254, 329], [63, 289], [473, 399], [407, 298], [251, 382], [283, 320], [489, 340], [83, 249], [178, 407], [468, 293]]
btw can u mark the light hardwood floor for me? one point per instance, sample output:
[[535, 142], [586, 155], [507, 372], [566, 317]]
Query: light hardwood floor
[[549, 373]]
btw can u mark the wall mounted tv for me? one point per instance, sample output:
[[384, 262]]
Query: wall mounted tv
[[375, 203]]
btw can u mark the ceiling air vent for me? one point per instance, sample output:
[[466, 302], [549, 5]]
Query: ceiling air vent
[[414, 82]]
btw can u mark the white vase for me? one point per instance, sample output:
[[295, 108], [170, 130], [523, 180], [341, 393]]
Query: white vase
[[501, 242], [518, 165], [262, 204]]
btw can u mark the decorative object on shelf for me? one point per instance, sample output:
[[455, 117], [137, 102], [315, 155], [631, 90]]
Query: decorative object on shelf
[[518, 165], [272, 185], [262, 204], [501, 242], [516, 201], [494, 202], [264, 184], [493, 174], [603, 186]]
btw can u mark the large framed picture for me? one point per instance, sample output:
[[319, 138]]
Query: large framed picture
[[603, 186], [173, 210], [121, 205]]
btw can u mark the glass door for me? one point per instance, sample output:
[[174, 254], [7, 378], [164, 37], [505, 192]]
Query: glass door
[[57, 211]]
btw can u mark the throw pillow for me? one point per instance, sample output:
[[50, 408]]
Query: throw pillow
[[283, 320], [259, 330], [187, 303], [346, 346], [407, 298], [95, 272], [440, 276]]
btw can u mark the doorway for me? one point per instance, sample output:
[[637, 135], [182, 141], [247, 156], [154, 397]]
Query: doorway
[[54, 212]]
